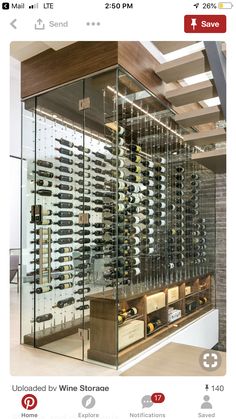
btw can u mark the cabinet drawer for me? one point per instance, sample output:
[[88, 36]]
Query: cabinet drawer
[[130, 333], [173, 294], [155, 302]]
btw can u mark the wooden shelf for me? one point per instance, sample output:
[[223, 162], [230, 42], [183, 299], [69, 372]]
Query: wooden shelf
[[214, 160], [103, 321]]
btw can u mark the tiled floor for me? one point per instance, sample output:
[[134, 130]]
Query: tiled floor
[[30, 361]]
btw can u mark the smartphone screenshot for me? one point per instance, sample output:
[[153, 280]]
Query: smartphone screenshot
[[115, 191]]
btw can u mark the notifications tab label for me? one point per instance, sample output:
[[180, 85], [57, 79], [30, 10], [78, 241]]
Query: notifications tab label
[[205, 23]]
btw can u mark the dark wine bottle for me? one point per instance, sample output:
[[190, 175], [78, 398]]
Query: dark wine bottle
[[83, 241], [44, 163], [99, 155], [64, 250], [65, 151], [148, 163], [64, 195], [82, 290], [64, 268], [83, 149], [65, 169], [63, 277], [83, 166], [42, 290], [43, 318], [44, 192], [63, 286], [63, 223], [64, 240], [64, 259], [64, 187], [64, 214], [44, 173], [84, 208], [134, 158], [133, 178], [65, 160], [134, 169], [83, 307], [45, 183], [65, 142], [82, 157], [64, 231], [64, 303], [64, 205]]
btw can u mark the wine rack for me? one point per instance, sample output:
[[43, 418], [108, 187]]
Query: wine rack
[[113, 211]]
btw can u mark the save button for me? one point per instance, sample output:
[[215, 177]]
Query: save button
[[205, 23]]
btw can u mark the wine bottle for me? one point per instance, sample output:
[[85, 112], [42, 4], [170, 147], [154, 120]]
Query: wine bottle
[[148, 163], [134, 158], [115, 151], [99, 155], [62, 195], [134, 188], [45, 183], [82, 290], [43, 251], [82, 157], [125, 314], [63, 286], [148, 173], [160, 169], [83, 307], [63, 223], [46, 222], [83, 175], [179, 177], [65, 142], [64, 268], [161, 205], [83, 166], [84, 208], [64, 240], [83, 149], [65, 160], [134, 148], [64, 187], [147, 192], [64, 214], [64, 259], [64, 231], [42, 290], [64, 303], [64, 205], [134, 169], [147, 211], [37, 241], [148, 182], [83, 241], [44, 173], [133, 178], [43, 318], [83, 191], [43, 231], [65, 169], [65, 151], [64, 250], [160, 178], [44, 163], [63, 277]]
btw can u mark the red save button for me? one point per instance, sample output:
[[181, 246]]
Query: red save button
[[205, 23]]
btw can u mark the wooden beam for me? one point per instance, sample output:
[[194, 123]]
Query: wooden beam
[[198, 117], [214, 136], [214, 160], [192, 93], [180, 68]]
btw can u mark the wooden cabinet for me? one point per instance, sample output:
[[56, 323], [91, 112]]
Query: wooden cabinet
[[159, 312]]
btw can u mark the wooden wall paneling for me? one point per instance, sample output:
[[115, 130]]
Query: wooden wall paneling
[[54, 68]]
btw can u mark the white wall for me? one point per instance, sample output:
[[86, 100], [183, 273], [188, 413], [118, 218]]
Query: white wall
[[15, 150]]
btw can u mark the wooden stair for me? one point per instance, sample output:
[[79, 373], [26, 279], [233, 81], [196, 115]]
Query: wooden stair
[[214, 160], [199, 117], [191, 93], [180, 68], [202, 138]]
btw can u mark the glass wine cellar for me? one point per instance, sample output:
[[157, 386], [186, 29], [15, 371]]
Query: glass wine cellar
[[118, 223]]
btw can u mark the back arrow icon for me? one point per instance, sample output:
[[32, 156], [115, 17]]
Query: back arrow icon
[[13, 24]]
